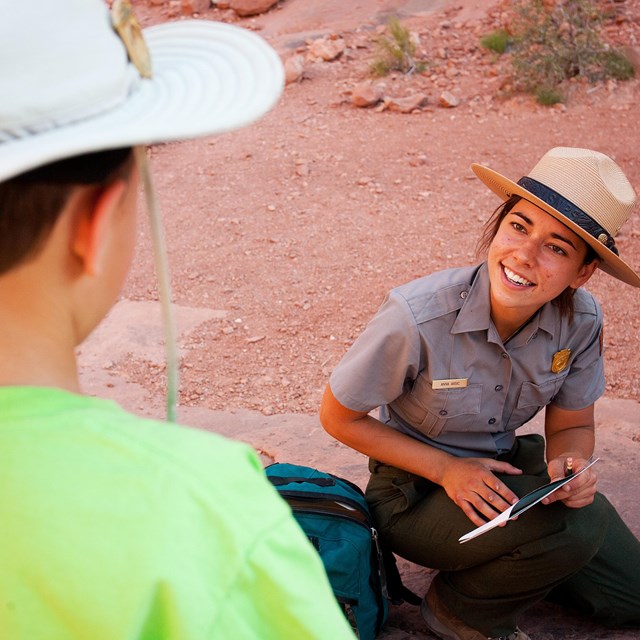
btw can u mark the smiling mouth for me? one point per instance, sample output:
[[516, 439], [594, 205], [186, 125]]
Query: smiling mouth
[[516, 279]]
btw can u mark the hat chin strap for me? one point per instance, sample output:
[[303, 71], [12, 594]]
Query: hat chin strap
[[162, 273], [570, 211]]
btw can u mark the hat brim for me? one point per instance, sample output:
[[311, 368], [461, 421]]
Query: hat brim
[[208, 78], [505, 188]]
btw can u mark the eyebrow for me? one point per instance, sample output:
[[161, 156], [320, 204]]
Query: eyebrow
[[557, 236]]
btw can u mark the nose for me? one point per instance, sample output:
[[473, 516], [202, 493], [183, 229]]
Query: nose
[[526, 251]]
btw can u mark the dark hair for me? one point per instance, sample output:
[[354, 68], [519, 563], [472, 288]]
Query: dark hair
[[564, 301], [31, 202]]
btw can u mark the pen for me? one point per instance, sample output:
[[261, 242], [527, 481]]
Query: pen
[[568, 467]]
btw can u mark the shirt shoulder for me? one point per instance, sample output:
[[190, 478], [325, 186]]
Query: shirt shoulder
[[226, 474], [586, 304], [437, 294]]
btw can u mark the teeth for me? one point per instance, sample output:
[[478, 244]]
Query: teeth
[[516, 279]]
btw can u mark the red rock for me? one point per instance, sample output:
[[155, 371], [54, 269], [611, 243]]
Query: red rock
[[367, 94], [327, 49], [448, 100], [194, 6], [408, 104], [251, 7], [293, 69]]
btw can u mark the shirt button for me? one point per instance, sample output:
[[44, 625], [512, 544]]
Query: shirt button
[[505, 355], [464, 294], [492, 420], [443, 412], [498, 387]]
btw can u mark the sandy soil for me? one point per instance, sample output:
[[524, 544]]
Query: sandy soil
[[290, 232]]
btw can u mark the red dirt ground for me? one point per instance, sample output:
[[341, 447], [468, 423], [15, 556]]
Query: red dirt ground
[[297, 226]]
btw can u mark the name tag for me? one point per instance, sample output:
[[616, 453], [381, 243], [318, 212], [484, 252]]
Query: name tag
[[453, 383]]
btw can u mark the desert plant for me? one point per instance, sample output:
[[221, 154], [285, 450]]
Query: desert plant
[[618, 66], [497, 41], [548, 96], [396, 51], [554, 42]]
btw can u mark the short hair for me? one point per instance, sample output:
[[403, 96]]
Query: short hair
[[31, 202], [564, 301]]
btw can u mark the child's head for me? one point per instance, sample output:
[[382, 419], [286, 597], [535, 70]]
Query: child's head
[[81, 87], [83, 90]]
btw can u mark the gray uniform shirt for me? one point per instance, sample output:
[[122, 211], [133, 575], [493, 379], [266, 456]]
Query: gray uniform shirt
[[437, 331]]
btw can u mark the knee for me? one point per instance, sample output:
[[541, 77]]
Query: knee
[[585, 530]]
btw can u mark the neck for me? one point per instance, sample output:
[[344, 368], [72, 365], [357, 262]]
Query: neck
[[508, 327], [37, 347], [40, 363]]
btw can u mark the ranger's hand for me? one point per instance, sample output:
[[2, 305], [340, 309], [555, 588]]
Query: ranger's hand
[[472, 485], [577, 493]]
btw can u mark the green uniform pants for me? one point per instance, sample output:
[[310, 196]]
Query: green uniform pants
[[585, 558]]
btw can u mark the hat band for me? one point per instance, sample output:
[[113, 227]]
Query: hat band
[[569, 210]]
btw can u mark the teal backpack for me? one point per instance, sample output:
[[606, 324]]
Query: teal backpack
[[334, 515]]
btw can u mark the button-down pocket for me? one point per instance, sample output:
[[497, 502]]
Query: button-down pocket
[[434, 411], [531, 399]]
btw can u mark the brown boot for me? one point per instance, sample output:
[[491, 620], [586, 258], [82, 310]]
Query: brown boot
[[444, 624]]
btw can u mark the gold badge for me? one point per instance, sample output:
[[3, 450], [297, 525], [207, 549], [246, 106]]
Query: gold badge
[[560, 360], [128, 28]]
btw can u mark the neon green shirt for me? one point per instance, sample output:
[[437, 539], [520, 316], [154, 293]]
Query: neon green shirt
[[114, 527]]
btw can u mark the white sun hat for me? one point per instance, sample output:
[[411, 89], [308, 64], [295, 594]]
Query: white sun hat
[[68, 86]]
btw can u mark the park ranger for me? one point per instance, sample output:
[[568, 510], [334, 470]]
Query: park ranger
[[457, 361]]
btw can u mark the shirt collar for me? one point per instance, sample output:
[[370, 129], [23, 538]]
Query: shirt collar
[[475, 313]]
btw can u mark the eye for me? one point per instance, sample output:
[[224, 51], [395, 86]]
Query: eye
[[558, 250], [518, 227]]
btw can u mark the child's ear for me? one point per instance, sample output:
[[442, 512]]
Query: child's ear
[[93, 224]]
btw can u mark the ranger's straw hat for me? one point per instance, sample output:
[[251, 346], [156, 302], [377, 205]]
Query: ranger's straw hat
[[75, 80], [586, 191]]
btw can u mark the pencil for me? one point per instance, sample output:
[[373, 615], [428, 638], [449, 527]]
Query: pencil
[[568, 467]]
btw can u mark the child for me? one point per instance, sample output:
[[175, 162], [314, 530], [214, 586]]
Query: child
[[113, 526]]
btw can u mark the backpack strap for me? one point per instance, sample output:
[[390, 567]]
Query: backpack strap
[[398, 593], [278, 481]]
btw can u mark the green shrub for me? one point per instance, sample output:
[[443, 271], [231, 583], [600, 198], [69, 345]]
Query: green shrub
[[552, 45], [396, 51], [497, 41], [617, 65], [548, 96]]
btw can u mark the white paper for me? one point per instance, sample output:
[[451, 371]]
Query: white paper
[[525, 503]]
